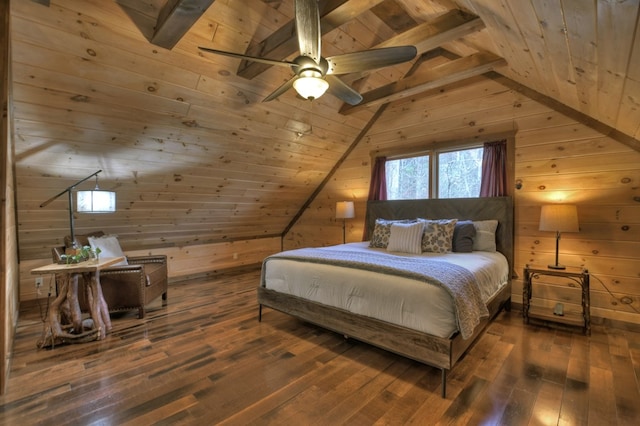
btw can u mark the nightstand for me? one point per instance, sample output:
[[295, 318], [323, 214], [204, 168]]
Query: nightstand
[[579, 275]]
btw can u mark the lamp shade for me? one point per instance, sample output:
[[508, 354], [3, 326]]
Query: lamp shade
[[309, 85], [345, 210], [559, 218], [96, 201]]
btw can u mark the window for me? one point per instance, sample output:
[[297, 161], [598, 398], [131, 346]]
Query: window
[[408, 178], [456, 173], [459, 173]]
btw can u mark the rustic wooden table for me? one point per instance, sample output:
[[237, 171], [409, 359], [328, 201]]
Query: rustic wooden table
[[64, 322]]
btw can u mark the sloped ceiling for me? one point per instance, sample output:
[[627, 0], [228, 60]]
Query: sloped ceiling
[[195, 154]]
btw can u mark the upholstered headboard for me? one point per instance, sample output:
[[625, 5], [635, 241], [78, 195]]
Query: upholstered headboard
[[500, 208]]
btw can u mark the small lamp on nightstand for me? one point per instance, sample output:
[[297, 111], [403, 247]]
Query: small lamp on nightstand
[[559, 218], [344, 210]]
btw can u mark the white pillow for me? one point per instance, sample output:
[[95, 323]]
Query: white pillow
[[485, 239], [406, 237], [109, 247]]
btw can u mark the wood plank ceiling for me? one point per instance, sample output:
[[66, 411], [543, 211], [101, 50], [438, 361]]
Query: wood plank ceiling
[[195, 155]]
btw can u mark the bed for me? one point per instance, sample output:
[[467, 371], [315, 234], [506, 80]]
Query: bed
[[359, 291]]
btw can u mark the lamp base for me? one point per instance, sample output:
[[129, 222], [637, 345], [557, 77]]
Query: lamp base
[[556, 266]]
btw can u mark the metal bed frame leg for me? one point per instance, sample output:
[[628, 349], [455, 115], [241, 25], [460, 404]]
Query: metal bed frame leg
[[260, 313], [444, 383]]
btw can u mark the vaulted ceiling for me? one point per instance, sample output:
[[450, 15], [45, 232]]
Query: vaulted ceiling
[[194, 153]]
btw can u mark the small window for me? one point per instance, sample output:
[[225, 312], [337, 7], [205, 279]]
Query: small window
[[456, 174]]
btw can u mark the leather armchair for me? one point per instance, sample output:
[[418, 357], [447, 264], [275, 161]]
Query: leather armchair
[[131, 286]]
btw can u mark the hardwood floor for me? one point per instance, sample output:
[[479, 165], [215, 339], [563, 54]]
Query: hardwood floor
[[205, 359]]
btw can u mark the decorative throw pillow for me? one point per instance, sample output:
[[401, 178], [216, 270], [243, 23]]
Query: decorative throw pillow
[[438, 235], [109, 247], [463, 235], [406, 237], [485, 239], [382, 231], [81, 240]]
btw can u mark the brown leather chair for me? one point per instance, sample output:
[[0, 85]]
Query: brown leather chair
[[126, 287]]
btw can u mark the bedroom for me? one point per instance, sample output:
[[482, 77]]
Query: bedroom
[[207, 173]]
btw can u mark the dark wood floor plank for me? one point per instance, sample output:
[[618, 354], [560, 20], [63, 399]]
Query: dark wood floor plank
[[205, 359]]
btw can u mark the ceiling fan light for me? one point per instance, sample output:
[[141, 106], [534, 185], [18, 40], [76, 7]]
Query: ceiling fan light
[[310, 87]]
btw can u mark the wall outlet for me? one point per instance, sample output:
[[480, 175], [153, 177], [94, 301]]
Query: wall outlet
[[39, 282]]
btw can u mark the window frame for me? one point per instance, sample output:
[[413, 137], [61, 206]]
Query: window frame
[[434, 148]]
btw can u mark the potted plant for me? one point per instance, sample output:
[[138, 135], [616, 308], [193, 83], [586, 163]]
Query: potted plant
[[81, 255]]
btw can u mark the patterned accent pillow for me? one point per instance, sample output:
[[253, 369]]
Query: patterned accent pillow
[[382, 232], [406, 237], [438, 235]]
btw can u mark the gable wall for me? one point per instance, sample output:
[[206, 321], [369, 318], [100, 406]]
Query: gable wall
[[555, 157]]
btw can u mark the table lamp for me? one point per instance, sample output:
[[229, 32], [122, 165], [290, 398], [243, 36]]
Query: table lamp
[[559, 218], [344, 210]]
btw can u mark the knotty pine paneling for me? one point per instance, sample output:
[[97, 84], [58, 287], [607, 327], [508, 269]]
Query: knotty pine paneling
[[194, 155], [197, 159], [9, 292], [555, 157]]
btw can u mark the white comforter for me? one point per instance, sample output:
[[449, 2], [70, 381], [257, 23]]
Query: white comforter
[[397, 300]]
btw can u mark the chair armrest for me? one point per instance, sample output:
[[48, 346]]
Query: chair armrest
[[141, 260], [122, 269]]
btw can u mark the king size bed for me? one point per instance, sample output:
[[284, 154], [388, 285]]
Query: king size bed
[[424, 285]]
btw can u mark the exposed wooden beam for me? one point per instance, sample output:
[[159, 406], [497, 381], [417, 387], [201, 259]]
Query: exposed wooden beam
[[459, 69], [283, 42], [442, 29], [175, 19], [429, 36], [576, 115], [393, 14]]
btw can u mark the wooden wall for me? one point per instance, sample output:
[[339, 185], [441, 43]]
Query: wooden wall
[[556, 158], [199, 161], [8, 228]]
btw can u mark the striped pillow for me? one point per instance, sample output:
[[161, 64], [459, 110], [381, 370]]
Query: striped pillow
[[406, 238]]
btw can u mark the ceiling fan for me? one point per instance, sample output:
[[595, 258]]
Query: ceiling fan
[[315, 74]]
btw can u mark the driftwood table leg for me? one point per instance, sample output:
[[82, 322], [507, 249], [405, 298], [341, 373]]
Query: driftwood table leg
[[74, 303], [52, 328], [97, 304], [53, 332]]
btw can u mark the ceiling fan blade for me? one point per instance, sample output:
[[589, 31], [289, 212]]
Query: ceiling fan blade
[[280, 90], [342, 90], [308, 28], [370, 59], [249, 58]]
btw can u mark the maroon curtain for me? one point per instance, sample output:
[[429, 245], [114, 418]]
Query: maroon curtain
[[377, 186], [494, 169]]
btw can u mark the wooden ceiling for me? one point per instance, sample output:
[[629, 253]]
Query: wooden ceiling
[[195, 154]]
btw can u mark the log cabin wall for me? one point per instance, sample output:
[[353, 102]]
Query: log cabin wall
[[205, 172], [9, 292], [556, 158]]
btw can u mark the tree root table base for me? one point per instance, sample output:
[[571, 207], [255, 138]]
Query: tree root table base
[[64, 323]]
